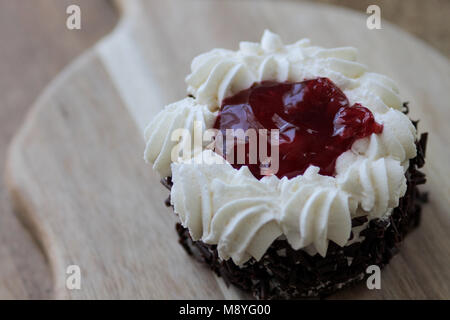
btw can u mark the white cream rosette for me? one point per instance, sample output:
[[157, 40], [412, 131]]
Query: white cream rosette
[[243, 215]]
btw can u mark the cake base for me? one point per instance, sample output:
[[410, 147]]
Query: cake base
[[285, 273]]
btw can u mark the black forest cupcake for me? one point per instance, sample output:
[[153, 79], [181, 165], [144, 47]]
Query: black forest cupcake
[[318, 181]]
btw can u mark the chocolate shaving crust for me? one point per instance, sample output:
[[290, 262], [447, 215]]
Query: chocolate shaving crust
[[285, 273]]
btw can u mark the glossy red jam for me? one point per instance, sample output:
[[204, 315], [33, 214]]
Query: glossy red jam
[[315, 120]]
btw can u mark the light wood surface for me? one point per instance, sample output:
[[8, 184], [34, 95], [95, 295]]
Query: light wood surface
[[427, 20], [36, 46], [75, 173]]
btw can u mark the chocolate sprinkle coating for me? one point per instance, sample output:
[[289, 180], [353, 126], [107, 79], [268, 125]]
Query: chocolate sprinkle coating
[[285, 273]]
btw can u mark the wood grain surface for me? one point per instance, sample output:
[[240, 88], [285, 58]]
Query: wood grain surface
[[89, 200], [36, 46]]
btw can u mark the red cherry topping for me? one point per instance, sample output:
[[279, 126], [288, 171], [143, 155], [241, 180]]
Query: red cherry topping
[[315, 120]]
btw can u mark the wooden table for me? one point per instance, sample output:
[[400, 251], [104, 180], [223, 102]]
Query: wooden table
[[37, 46]]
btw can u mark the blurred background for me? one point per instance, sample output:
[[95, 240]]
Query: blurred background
[[35, 47]]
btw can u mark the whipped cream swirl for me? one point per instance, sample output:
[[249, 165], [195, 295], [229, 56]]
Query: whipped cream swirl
[[243, 215]]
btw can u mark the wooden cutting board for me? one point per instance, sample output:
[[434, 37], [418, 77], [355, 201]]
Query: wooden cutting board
[[76, 173]]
